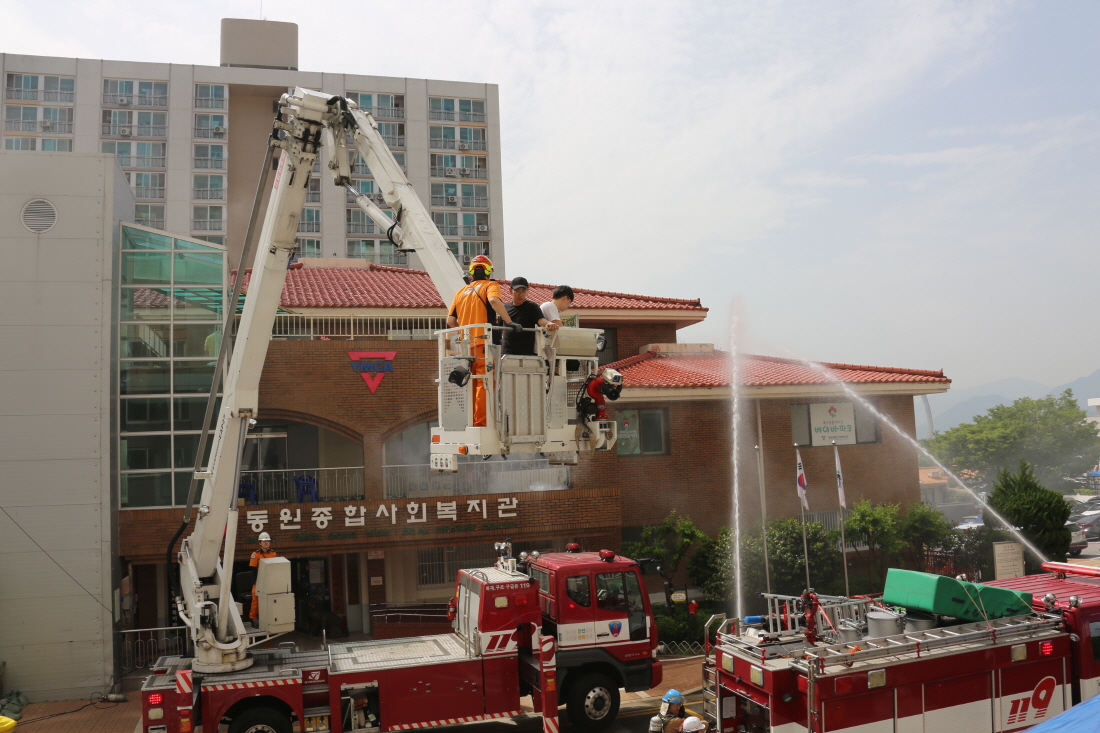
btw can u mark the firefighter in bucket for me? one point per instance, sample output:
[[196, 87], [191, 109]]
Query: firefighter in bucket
[[671, 714]]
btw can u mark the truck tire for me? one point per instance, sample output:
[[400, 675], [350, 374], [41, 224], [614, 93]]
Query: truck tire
[[261, 720], [1076, 552], [593, 702]]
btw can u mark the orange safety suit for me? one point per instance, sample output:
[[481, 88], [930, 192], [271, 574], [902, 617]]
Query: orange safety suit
[[254, 562], [471, 305]]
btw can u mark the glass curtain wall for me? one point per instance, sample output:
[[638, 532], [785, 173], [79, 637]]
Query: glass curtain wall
[[170, 329]]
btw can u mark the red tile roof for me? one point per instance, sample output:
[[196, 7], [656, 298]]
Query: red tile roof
[[681, 370], [378, 286]]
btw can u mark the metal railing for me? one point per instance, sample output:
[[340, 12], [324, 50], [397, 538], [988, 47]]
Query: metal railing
[[313, 197], [146, 161], [309, 226], [445, 115], [352, 198], [60, 127], [415, 328], [408, 612], [831, 519], [475, 230], [151, 130], [444, 200], [680, 649], [360, 227], [388, 113], [210, 102], [142, 647], [56, 96], [394, 141], [208, 225], [212, 163], [209, 132], [148, 192], [279, 487], [475, 202], [440, 143], [21, 125], [208, 194], [471, 117], [27, 94], [360, 169], [439, 171], [152, 100], [447, 231], [471, 145], [151, 223], [476, 477]]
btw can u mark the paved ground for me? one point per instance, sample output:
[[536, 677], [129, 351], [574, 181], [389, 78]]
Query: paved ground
[[100, 718]]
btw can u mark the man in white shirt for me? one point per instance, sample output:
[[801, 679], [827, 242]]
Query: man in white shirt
[[563, 298]]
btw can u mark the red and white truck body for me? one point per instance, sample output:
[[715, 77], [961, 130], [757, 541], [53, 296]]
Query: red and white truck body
[[990, 676], [502, 648]]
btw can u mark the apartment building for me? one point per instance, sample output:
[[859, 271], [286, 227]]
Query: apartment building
[[191, 140]]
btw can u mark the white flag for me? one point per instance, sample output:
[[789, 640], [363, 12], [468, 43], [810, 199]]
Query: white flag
[[801, 480], [839, 478]]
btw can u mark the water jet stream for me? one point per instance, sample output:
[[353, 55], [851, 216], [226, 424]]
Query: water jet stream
[[735, 381]]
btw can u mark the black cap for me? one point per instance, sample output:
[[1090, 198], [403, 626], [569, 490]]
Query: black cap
[[520, 282]]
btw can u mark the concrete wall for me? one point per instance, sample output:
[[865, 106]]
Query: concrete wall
[[56, 423]]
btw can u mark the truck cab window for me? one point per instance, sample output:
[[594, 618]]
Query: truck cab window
[[541, 577], [1094, 632], [578, 590], [610, 593]]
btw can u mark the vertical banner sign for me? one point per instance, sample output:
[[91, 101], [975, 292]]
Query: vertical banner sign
[[839, 479], [372, 366], [832, 422], [801, 480], [1008, 560]]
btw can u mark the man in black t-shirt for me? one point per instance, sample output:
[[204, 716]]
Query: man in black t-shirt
[[526, 314]]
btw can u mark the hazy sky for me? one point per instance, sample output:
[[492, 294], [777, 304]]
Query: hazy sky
[[905, 184]]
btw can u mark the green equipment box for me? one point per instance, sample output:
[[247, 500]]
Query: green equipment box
[[950, 597]]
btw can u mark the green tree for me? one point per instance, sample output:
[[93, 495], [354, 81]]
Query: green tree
[[668, 543], [922, 528], [1039, 513], [1050, 433], [879, 527], [711, 567]]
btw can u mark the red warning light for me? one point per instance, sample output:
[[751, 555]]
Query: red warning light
[[156, 698], [1046, 648], [607, 555]]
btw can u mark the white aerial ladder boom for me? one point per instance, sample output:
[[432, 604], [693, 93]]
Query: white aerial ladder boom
[[533, 399]]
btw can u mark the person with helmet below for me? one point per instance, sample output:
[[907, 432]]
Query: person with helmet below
[[692, 725], [476, 303], [254, 562], [672, 712]]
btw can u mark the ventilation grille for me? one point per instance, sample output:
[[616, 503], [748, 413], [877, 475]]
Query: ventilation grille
[[39, 215]]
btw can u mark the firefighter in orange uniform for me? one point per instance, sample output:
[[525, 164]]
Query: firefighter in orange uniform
[[477, 303], [254, 562]]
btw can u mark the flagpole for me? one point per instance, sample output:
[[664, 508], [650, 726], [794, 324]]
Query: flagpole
[[802, 511], [843, 506]]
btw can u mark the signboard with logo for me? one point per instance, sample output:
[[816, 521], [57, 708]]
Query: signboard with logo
[[679, 596], [1008, 560], [628, 443], [832, 422], [372, 366]]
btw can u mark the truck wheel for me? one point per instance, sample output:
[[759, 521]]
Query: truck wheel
[[261, 720], [1076, 552], [593, 702]]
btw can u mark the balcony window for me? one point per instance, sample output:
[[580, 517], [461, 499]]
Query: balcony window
[[475, 196], [58, 89], [442, 137], [471, 110], [472, 166], [393, 133], [152, 94], [309, 248], [60, 145], [57, 120], [152, 124], [117, 122], [357, 222], [444, 194], [209, 187], [20, 143], [360, 249], [210, 96], [20, 118], [381, 252], [471, 138], [207, 218], [364, 187], [118, 92], [443, 166], [147, 185], [473, 249], [150, 215], [120, 149], [22, 87], [390, 106], [446, 222], [310, 221], [313, 194], [363, 99], [475, 225], [148, 155], [210, 157], [441, 108], [400, 158], [212, 126]]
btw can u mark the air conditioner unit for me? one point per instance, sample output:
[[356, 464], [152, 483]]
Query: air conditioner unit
[[466, 259], [218, 129], [378, 197], [464, 171], [46, 124], [452, 199], [124, 101], [463, 146], [451, 171], [125, 131], [483, 227]]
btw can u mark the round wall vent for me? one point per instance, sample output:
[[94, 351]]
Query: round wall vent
[[39, 215]]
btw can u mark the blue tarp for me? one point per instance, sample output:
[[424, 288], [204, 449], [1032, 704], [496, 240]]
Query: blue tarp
[[1083, 718]]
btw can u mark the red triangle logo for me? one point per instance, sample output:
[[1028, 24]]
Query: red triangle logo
[[372, 366]]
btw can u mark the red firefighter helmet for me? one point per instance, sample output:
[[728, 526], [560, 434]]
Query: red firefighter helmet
[[483, 262]]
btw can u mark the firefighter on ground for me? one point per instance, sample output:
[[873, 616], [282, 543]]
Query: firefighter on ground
[[479, 302], [254, 562], [671, 714]]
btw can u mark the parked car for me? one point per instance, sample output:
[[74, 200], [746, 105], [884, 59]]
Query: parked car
[[1090, 523], [1078, 539], [969, 523]]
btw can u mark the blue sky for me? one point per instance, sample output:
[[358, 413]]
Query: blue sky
[[907, 184]]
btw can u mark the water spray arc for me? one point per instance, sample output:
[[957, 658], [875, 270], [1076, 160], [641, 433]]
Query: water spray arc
[[735, 390], [824, 371]]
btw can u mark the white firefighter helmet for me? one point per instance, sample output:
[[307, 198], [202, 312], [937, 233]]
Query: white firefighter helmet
[[265, 537], [610, 376], [691, 724]]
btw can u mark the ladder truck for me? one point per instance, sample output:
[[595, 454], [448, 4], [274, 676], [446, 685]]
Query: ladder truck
[[545, 409], [821, 664]]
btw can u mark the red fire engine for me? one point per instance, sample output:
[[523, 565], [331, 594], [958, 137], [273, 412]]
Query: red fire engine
[[817, 663], [507, 623]]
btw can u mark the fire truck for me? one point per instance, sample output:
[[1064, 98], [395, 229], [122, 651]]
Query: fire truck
[[574, 626], [545, 404], [1016, 653]]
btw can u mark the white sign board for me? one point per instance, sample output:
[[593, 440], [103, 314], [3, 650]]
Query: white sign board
[[1008, 560], [679, 596], [832, 422]]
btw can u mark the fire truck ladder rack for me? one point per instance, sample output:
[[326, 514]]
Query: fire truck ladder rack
[[712, 691], [785, 616], [988, 633]]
